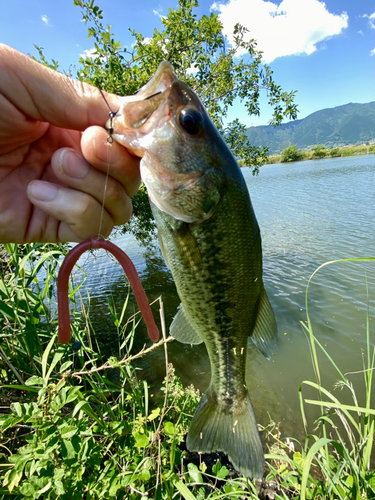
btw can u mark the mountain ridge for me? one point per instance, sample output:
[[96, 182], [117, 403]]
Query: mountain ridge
[[348, 124]]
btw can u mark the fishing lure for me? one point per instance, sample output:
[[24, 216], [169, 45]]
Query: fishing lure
[[130, 271], [74, 254]]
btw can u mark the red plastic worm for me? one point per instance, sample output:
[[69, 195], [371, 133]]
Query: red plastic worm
[[130, 271]]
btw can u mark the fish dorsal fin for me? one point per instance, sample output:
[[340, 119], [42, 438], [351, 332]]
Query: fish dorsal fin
[[182, 330], [264, 334]]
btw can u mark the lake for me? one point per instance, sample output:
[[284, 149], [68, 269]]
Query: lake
[[309, 213]]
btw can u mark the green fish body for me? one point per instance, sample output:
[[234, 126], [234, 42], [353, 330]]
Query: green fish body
[[211, 243]]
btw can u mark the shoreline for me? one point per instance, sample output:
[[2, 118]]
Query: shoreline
[[323, 153]]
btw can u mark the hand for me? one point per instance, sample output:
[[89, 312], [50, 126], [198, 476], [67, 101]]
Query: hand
[[52, 174]]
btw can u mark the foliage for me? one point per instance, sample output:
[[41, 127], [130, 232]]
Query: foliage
[[203, 59], [291, 153], [318, 151], [334, 153], [77, 426]]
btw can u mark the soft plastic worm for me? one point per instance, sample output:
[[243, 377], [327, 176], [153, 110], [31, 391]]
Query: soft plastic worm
[[130, 271]]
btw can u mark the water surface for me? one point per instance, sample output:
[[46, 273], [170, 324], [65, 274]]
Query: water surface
[[309, 213]]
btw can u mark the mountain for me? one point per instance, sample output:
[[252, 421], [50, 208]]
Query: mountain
[[345, 125]]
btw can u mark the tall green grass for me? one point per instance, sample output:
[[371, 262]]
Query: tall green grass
[[76, 425], [337, 462]]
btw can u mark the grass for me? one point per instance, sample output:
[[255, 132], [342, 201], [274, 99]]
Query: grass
[[75, 425]]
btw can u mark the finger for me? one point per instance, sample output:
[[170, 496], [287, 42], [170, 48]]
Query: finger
[[50, 96], [122, 165], [80, 214], [75, 172]]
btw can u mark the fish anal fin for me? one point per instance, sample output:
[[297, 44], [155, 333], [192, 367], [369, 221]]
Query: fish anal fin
[[233, 432], [264, 334], [182, 330]]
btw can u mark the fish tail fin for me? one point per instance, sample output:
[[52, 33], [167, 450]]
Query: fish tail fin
[[233, 432]]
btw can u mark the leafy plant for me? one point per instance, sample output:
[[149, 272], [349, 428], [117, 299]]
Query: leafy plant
[[75, 425], [291, 153], [203, 59]]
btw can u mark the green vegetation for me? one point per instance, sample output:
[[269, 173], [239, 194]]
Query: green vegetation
[[77, 426], [201, 57], [291, 153]]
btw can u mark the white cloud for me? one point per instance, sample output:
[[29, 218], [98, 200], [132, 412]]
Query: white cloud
[[294, 27], [371, 19], [158, 11], [45, 19], [92, 54]]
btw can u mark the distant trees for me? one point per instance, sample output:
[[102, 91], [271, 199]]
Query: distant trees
[[334, 153], [291, 153], [318, 151]]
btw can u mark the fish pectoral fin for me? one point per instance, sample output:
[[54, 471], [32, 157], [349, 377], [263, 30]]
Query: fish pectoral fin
[[264, 334], [182, 330], [231, 431]]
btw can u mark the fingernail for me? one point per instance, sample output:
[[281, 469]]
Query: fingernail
[[73, 165], [42, 191]]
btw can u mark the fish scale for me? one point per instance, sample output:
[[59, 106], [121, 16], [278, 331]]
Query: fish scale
[[211, 243]]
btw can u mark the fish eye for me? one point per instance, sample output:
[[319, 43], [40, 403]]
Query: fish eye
[[191, 120]]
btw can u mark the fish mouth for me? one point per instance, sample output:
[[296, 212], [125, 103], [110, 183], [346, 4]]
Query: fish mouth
[[137, 115]]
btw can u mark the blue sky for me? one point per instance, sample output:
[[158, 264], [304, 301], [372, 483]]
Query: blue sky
[[324, 50]]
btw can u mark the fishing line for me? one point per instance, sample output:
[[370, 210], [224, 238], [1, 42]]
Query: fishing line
[[112, 114]]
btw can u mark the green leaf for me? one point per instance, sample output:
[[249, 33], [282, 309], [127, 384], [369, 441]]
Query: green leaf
[[194, 473], [310, 456], [141, 440], [86, 408], [58, 355], [219, 471], [10, 421], [7, 311], [169, 429], [45, 357], [144, 475], [27, 489], [65, 366], [12, 479], [67, 450], [35, 380], [68, 431], [185, 492], [16, 407]]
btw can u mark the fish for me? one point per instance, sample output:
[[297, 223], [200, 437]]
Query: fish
[[211, 242]]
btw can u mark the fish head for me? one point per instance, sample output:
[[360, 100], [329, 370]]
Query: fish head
[[166, 125]]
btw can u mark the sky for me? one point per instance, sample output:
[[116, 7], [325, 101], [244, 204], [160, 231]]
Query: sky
[[324, 50]]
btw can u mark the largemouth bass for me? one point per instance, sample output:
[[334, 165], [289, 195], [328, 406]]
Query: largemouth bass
[[211, 242]]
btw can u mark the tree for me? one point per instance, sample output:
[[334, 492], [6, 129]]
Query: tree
[[319, 151], [201, 57], [291, 153], [335, 152]]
